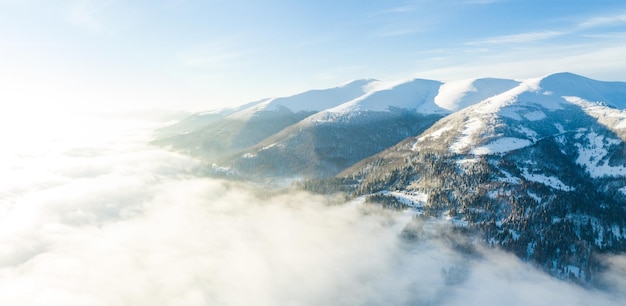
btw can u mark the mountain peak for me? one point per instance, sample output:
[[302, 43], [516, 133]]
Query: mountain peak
[[535, 166], [383, 96], [359, 82], [563, 81], [311, 100], [565, 75], [456, 95], [566, 84]]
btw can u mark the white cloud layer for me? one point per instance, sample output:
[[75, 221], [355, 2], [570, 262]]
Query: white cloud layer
[[114, 222]]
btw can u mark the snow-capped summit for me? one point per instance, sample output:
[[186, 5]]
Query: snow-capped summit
[[555, 90], [537, 166], [538, 170], [419, 95], [223, 132], [456, 95], [480, 116], [567, 84], [309, 101], [410, 95], [534, 109]]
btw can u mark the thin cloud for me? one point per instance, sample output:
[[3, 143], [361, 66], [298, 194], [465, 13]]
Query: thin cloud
[[608, 36], [546, 35], [397, 32], [217, 54], [400, 9], [417, 4], [590, 59], [484, 2], [211, 59], [86, 15], [518, 38], [603, 21]]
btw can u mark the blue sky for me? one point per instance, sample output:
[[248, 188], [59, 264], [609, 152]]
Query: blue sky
[[214, 53]]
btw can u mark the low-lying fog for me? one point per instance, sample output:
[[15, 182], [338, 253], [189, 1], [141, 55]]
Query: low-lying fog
[[91, 215]]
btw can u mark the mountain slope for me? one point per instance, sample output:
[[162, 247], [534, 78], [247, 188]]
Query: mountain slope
[[539, 170], [239, 129], [199, 120], [334, 139], [536, 167]]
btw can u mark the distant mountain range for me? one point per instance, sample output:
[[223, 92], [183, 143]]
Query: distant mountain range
[[536, 166]]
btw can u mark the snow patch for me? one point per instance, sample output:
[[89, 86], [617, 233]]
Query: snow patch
[[535, 116], [222, 170], [268, 146], [501, 145], [471, 127], [509, 178], [549, 181], [560, 128], [575, 100], [528, 132], [457, 222], [511, 112], [435, 134], [561, 140], [592, 157], [411, 199], [534, 196], [623, 190], [466, 161], [580, 133], [248, 155]]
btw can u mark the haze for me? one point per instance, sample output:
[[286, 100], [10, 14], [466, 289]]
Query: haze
[[97, 217]]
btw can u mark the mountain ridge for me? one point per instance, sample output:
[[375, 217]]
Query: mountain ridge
[[241, 132], [539, 171], [536, 167]]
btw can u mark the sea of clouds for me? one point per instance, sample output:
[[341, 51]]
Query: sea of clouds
[[92, 215]]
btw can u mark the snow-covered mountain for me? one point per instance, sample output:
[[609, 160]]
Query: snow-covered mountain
[[422, 96], [324, 143], [214, 134], [321, 132], [536, 166], [199, 120], [540, 169]]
